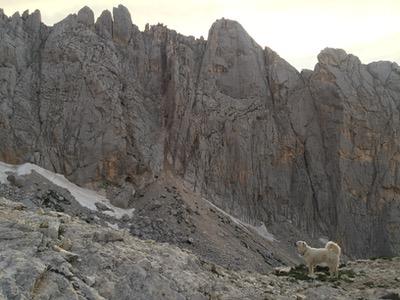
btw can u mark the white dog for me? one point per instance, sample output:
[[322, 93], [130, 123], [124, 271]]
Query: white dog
[[329, 256]]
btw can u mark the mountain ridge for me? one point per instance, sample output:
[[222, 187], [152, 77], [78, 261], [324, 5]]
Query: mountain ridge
[[106, 13], [104, 101]]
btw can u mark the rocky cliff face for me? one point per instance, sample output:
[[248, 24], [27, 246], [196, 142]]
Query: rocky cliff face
[[318, 150]]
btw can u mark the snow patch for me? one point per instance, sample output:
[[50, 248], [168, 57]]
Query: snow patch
[[263, 231], [235, 220], [260, 230], [113, 226], [85, 197], [118, 212]]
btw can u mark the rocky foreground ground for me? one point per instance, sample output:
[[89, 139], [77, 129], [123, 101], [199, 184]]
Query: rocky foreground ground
[[166, 212], [51, 255]]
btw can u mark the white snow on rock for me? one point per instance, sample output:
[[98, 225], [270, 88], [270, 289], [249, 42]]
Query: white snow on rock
[[260, 230], [263, 231], [85, 197], [113, 226]]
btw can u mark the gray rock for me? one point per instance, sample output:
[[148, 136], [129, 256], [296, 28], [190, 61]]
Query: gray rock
[[102, 207], [107, 237], [33, 268], [122, 27], [16, 180], [33, 23], [86, 16], [121, 196], [133, 269], [306, 153], [330, 56], [104, 25]]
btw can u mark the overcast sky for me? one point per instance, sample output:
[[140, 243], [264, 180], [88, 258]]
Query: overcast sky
[[297, 29]]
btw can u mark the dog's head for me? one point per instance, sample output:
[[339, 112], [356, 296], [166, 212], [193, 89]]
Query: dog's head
[[301, 247]]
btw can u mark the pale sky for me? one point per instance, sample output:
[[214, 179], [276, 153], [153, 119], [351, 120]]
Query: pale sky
[[296, 29]]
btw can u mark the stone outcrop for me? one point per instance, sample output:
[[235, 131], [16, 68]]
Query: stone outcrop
[[316, 150], [104, 25], [86, 16], [122, 25]]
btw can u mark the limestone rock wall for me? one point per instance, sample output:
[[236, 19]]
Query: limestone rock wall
[[101, 100]]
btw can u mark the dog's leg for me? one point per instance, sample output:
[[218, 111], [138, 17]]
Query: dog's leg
[[310, 269], [337, 270], [333, 270]]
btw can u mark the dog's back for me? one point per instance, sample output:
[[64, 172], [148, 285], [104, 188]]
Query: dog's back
[[332, 246]]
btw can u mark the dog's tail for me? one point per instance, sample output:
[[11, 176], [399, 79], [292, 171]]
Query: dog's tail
[[332, 246]]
